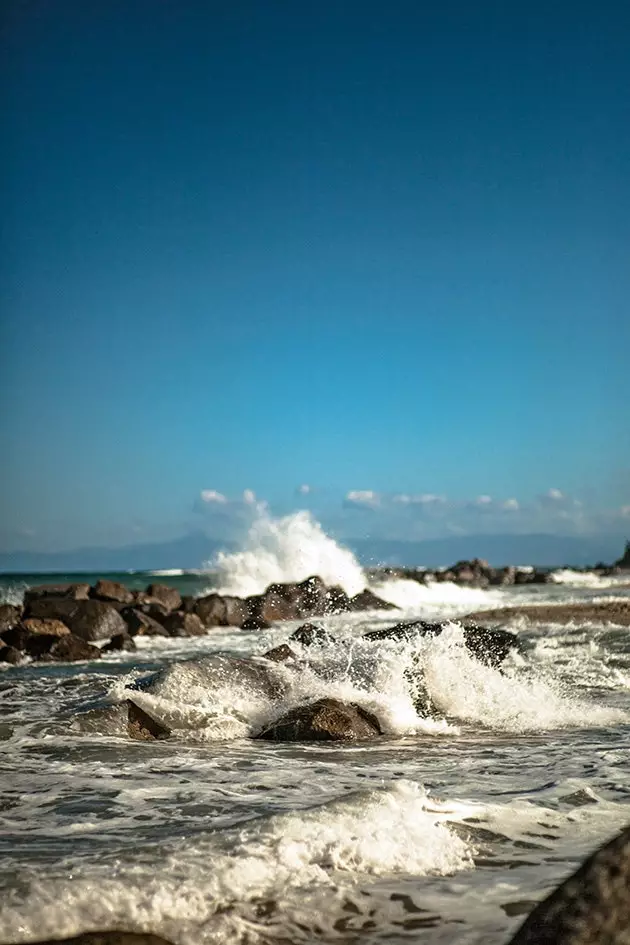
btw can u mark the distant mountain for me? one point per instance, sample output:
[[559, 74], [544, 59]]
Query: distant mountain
[[191, 551]]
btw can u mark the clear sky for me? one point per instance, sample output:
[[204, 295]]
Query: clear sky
[[378, 249]]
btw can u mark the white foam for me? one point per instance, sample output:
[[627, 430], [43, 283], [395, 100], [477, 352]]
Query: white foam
[[577, 578], [438, 598], [286, 549]]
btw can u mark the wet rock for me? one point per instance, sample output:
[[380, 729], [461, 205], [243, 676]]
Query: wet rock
[[211, 610], [9, 654], [324, 720], [336, 601], [367, 600], [88, 619], [255, 623], [67, 591], [9, 616], [309, 634], [122, 641], [70, 649], [141, 624], [188, 603], [624, 561], [489, 645], [278, 602], [108, 938], [33, 644], [142, 727], [112, 591], [503, 576], [53, 628], [311, 597], [168, 597], [592, 907], [180, 624], [280, 654]]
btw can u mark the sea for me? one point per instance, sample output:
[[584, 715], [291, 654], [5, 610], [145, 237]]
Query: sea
[[445, 830]]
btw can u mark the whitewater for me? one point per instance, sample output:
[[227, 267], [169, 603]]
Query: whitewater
[[447, 829]]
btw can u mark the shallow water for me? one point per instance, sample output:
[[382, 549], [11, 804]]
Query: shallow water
[[445, 830]]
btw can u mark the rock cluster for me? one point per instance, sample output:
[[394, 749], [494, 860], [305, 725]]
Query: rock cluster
[[473, 573], [64, 622]]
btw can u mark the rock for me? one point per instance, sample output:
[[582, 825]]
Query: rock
[[215, 610], [88, 619], [367, 600], [309, 634], [624, 561], [280, 654], [489, 646], [70, 649], [34, 645], [68, 591], [108, 938], [180, 624], [9, 654], [336, 601], [312, 597], [592, 907], [142, 727], [51, 627], [112, 591], [141, 624], [324, 720], [278, 602], [188, 603], [9, 616], [255, 623], [169, 597], [503, 576], [122, 641]]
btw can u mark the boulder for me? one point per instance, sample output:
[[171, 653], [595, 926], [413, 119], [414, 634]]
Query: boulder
[[111, 591], [169, 597], [141, 624], [336, 601], [9, 616], [309, 634], [312, 596], [122, 641], [108, 938], [51, 627], [68, 591], [88, 619], [142, 727], [180, 624], [34, 645], [503, 576], [70, 649], [215, 610], [489, 645], [367, 600], [9, 654], [280, 654], [188, 603], [278, 602], [592, 907], [324, 720], [255, 623]]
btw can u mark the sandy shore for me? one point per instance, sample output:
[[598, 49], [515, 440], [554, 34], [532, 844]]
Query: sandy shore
[[614, 611]]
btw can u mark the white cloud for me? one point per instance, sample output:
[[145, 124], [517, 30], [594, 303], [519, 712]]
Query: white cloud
[[211, 495], [249, 497], [425, 498], [304, 489], [554, 495], [625, 511], [483, 500], [362, 498], [510, 505]]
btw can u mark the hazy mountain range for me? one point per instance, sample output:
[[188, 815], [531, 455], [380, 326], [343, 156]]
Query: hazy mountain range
[[192, 551]]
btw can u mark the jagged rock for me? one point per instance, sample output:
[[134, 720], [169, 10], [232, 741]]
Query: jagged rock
[[53, 628], [9, 616], [70, 649], [169, 597], [112, 591], [88, 619], [9, 654], [108, 938], [324, 720], [67, 591], [311, 596], [336, 601], [142, 727], [180, 624], [141, 624], [488, 645], [280, 654], [122, 641], [309, 634], [216, 610], [592, 907], [367, 600]]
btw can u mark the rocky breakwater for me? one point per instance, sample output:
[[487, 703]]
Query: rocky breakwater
[[475, 572], [69, 622]]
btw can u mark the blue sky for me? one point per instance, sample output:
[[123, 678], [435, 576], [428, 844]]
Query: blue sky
[[368, 248]]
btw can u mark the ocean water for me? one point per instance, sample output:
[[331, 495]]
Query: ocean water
[[445, 830]]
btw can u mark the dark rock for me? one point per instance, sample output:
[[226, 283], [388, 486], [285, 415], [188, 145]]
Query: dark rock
[[309, 634], [503, 576], [142, 727], [9, 616], [141, 624], [180, 624], [215, 610], [69, 649], [188, 603], [122, 641], [542, 577], [108, 938], [68, 591], [112, 591], [367, 600], [324, 720], [336, 601], [280, 654], [624, 561], [488, 645], [278, 602], [53, 628], [169, 597], [33, 644], [592, 907], [311, 596], [88, 619], [9, 654], [255, 623]]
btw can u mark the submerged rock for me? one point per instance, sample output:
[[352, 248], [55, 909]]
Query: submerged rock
[[592, 907], [122, 641], [489, 645], [280, 654], [108, 938], [142, 727], [324, 720], [309, 634]]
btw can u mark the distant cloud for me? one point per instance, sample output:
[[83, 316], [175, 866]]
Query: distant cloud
[[249, 497], [551, 496], [510, 505], [425, 498], [304, 489], [210, 496], [625, 511], [362, 498], [483, 500]]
